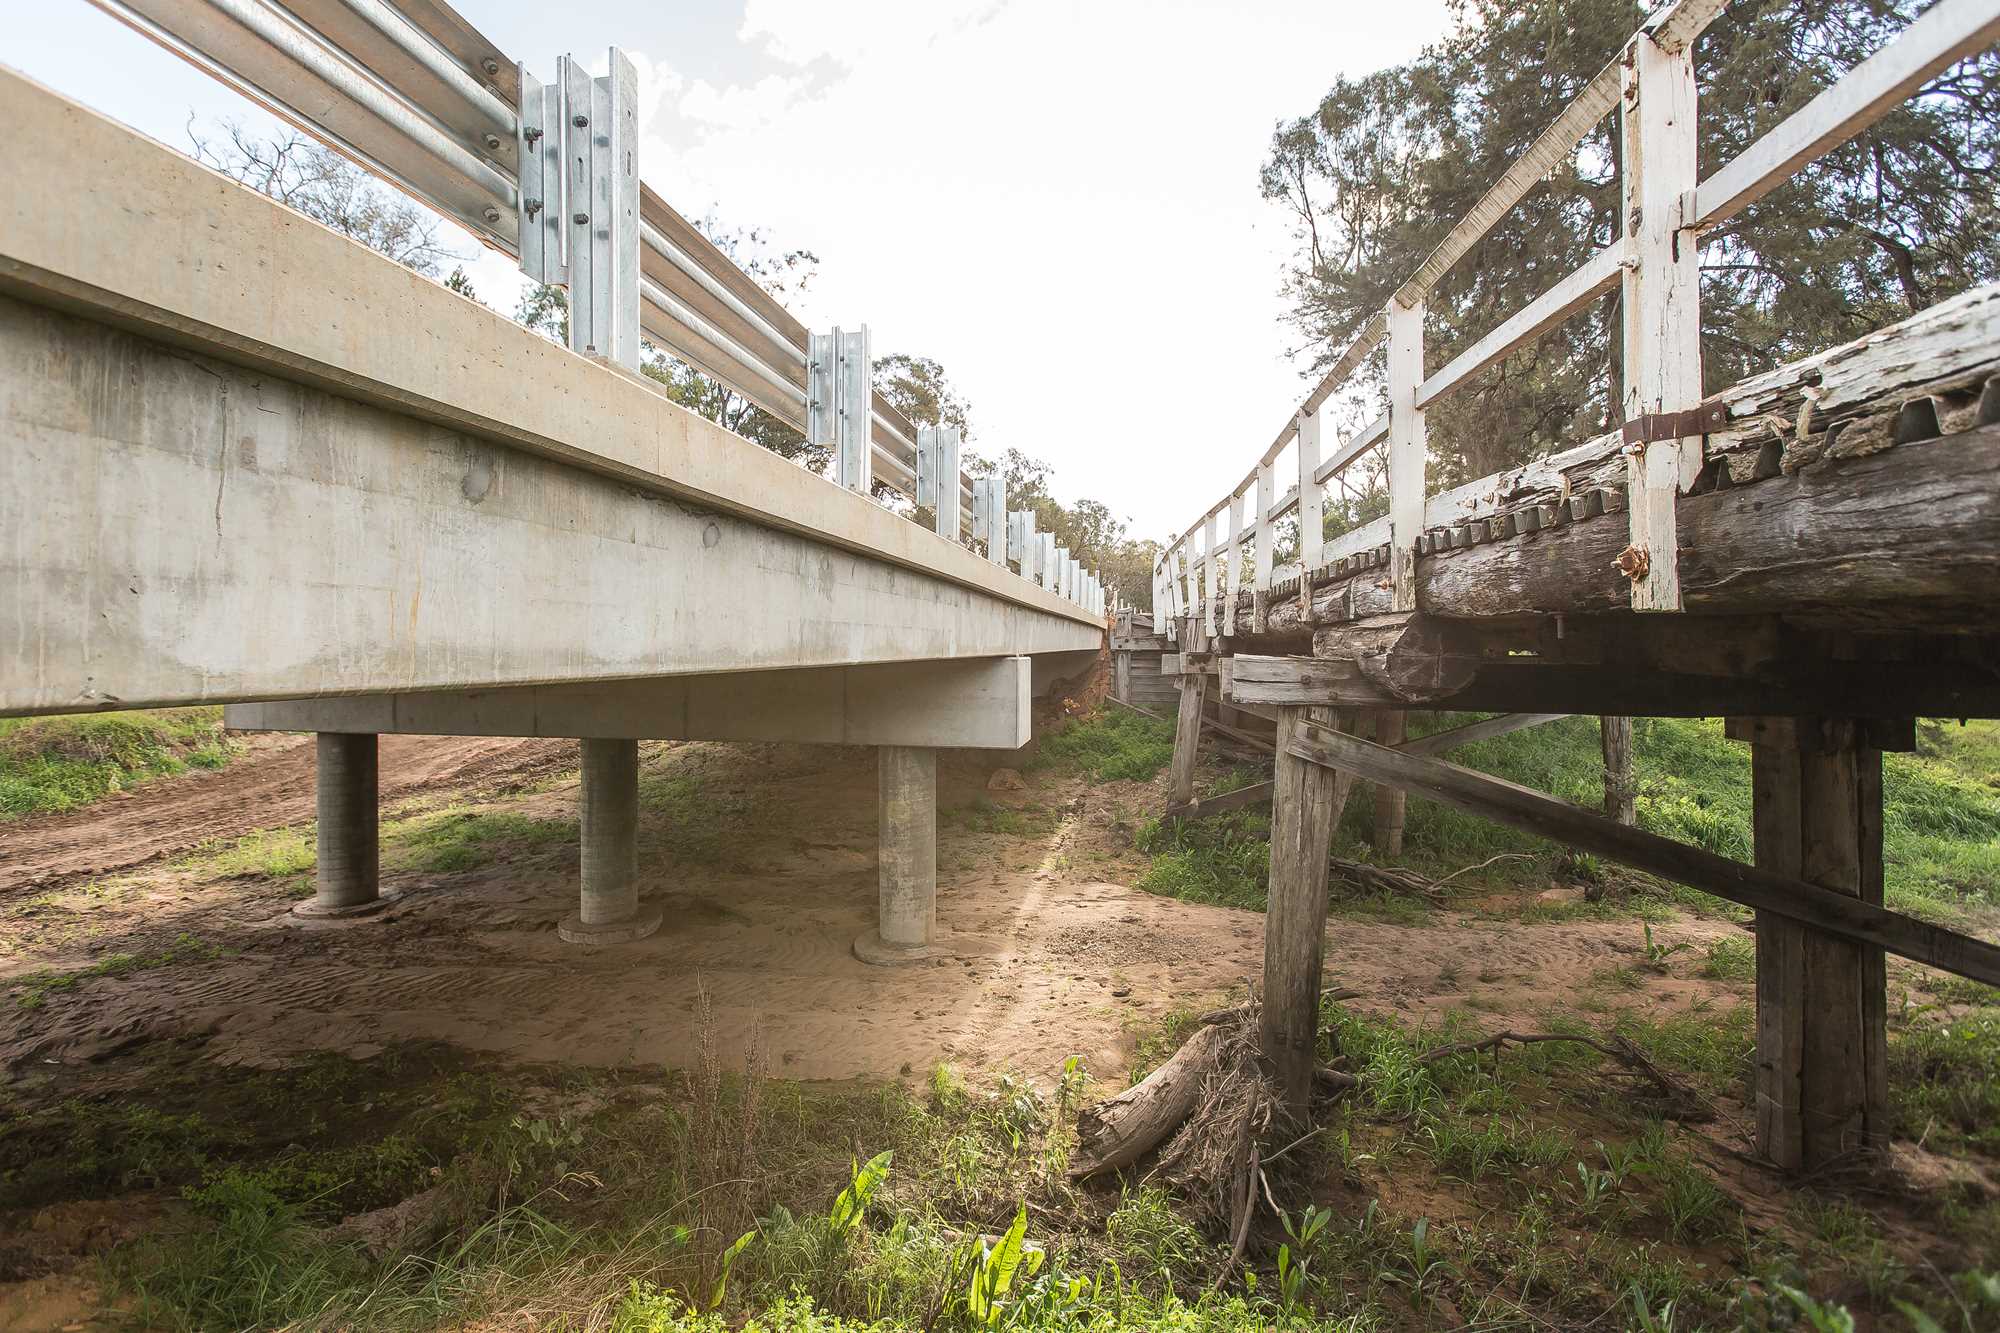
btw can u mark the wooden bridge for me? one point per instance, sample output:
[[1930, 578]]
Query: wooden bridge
[[1812, 554]]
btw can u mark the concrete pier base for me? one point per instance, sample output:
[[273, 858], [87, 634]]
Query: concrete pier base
[[906, 926], [348, 875], [609, 912]]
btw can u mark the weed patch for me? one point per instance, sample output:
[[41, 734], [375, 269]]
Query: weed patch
[[1222, 859], [33, 990], [58, 763], [1114, 745]]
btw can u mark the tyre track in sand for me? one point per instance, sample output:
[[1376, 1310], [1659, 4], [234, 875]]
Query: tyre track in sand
[[271, 787]]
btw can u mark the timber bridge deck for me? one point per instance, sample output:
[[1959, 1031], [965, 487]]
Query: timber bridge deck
[[249, 462], [1812, 554]]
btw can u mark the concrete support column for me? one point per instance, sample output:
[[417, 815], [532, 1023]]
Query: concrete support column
[[348, 875], [609, 912], [906, 927]]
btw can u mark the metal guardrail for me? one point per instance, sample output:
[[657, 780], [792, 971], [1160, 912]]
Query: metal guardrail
[[1652, 85], [547, 173]]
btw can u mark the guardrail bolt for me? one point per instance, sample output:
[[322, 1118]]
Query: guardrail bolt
[[491, 214], [532, 206], [581, 122], [583, 219], [534, 135], [492, 143], [490, 65]]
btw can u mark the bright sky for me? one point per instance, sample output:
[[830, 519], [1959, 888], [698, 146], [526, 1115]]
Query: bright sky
[[1057, 199]]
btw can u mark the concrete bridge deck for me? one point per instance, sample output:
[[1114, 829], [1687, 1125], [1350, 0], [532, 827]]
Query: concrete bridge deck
[[247, 459]]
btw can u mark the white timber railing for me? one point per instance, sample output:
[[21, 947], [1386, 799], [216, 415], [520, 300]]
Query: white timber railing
[[1666, 211], [548, 174]]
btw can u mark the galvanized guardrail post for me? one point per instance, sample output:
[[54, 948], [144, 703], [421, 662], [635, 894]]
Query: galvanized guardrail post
[[937, 476], [840, 404], [578, 205]]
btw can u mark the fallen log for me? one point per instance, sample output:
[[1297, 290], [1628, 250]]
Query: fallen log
[[1119, 1131]]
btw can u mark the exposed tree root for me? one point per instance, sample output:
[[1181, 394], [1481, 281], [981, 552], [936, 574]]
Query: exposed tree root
[[1206, 1113]]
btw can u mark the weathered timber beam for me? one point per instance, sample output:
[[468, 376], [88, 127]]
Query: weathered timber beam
[[1258, 793], [1523, 808], [1306, 680], [1486, 729], [1436, 743], [1529, 685]]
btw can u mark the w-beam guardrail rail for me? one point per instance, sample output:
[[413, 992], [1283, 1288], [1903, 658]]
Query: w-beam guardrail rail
[[548, 173]]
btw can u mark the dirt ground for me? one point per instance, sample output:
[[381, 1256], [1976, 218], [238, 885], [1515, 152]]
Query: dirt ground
[[271, 788], [1050, 955]]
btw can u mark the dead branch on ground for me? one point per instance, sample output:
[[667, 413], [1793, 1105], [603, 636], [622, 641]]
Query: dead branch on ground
[[1683, 1102]]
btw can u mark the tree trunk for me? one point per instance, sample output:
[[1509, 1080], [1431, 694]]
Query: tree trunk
[[1620, 801]]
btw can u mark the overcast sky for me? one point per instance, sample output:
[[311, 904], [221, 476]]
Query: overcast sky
[[1057, 199]]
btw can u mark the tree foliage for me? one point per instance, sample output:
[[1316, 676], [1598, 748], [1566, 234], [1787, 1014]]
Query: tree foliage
[[326, 187], [1380, 170]]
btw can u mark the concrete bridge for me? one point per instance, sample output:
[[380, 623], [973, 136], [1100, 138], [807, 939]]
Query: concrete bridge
[[248, 461]]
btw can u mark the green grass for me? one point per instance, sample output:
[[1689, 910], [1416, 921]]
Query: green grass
[[455, 840], [1944, 1081], [1941, 818], [1222, 859], [33, 989], [687, 817], [58, 763], [984, 816], [1114, 745], [436, 842]]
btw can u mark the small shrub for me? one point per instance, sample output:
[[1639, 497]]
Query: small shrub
[[1115, 745]]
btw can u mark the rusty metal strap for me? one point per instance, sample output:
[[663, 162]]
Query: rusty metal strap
[[1676, 425]]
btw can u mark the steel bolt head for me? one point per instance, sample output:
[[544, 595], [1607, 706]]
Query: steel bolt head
[[581, 122], [492, 143], [583, 219], [490, 65], [491, 214]]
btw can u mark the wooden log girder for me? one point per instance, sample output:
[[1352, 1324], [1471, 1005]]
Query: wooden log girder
[[1892, 527], [1534, 812], [1631, 665]]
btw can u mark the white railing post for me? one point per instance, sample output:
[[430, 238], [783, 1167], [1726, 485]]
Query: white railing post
[[1266, 495], [1211, 583], [1059, 583], [1045, 561], [1237, 565], [937, 476], [1312, 498], [1662, 311], [1408, 449]]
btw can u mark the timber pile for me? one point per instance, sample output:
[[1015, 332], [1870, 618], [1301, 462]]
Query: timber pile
[[1804, 476]]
